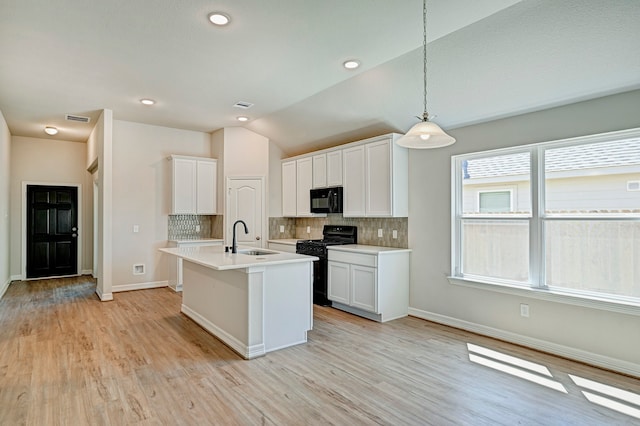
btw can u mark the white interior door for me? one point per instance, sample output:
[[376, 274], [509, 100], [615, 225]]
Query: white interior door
[[245, 201]]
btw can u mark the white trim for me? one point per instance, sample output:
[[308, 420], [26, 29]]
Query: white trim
[[106, 297], [236, 345], [87, 272], [23, 227], [4, 287], [16, 278], [602, 361], [139, 286], [622, 307]]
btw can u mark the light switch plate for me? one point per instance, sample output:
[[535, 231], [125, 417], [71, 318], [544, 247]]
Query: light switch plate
[[281, 229], [308, 229], [379, 232], [395, 234], [136, 228]]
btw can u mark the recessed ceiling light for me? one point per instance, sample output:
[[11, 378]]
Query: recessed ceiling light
[[219, 18], [242, 118], [50, 130], [351, 64], [147, 101]]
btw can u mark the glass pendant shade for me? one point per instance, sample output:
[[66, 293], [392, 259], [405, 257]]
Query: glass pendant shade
[[425, 135]]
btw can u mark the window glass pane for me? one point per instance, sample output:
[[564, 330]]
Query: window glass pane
[[593, 179], [592, 255], [496, 248], [495, 202], [502, 174]]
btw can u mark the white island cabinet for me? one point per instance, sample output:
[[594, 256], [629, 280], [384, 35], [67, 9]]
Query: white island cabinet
[[255, 301], [369, 281], [175, 266]]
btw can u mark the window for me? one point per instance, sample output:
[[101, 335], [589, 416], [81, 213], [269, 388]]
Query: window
[[494, 201], [553, 216]]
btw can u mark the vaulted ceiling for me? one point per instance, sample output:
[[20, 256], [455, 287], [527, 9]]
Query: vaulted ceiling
[[486, 59]]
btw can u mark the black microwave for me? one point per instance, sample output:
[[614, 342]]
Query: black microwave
[[326, 200]]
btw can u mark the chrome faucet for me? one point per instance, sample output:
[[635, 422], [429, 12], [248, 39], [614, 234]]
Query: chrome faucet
[[234, 245]]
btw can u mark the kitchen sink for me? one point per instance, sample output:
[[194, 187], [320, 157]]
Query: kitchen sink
[[254, 252]]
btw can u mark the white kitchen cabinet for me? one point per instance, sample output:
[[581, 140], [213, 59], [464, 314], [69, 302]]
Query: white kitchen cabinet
[[297, 180], [304, 182], [334, 168], [369, 281], [193, 185], [320, 171], [353, 195], [289, 189], [175, 263]]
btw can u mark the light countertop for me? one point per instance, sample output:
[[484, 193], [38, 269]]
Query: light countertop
[[197, 241], [360, 248], [288, 241], [214, 257]]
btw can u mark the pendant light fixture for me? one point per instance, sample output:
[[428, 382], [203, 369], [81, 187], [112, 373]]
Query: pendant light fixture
[[425, 134]]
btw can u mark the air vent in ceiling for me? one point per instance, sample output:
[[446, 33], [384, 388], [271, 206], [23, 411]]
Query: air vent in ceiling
[[243, 105], [77, 118]]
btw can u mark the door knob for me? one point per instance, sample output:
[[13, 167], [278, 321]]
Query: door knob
[[258, 238]]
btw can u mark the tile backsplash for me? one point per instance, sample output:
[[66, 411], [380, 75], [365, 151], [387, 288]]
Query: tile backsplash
[[185, 227], [367, 229]]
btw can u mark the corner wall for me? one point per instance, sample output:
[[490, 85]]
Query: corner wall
[[52, 162], [5, 169], [142, 196], [599, 337]]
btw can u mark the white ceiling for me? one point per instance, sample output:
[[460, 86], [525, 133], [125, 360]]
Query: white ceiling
[[487, 59]]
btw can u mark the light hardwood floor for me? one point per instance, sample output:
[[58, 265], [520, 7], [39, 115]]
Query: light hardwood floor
[[67, 358]]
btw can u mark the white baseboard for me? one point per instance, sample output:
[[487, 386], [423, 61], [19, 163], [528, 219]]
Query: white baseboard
[[139, 286], [4, 287], [609, 363], [86, 272], [15, 278], [104, 297], [247, 352]]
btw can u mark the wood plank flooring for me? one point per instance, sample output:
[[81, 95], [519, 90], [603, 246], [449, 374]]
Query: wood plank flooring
[[68, 359]]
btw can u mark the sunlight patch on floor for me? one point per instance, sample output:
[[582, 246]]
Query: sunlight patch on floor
[[609, 396], [514, 366]]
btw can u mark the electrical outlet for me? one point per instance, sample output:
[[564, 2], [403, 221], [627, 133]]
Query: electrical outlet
[[281, 229], [197, 228], [524, 310], [136, 228], [308, 229], [379, 232], [395, 234]]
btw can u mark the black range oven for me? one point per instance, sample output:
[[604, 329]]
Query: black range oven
[[331, 235]]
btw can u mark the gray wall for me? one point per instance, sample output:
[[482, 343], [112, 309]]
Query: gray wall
[[599, 336]]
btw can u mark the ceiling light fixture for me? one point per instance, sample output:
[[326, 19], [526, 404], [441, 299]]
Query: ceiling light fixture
[[147, 101], [242, 118], [425, 134], [351, 64], [218, 18], [50, 130]]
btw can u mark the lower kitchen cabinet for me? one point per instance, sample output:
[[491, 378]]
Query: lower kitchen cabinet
[[369, 281]]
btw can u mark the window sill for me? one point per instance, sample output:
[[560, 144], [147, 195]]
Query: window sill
[[550, 295]]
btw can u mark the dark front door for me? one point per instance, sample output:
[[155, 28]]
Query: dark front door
[[52, 231]]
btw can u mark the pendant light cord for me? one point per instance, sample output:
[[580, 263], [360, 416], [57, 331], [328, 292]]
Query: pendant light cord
[[425, 115]]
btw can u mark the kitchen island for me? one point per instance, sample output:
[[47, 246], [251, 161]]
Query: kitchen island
[[255, 301]]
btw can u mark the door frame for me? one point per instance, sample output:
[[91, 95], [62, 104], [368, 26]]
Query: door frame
[[23, 228], [265, 220]]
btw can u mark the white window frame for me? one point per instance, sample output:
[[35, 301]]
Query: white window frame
[[536, 286]]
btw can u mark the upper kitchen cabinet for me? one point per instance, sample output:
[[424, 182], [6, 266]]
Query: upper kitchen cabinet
[[289, 189], [376, 179], [304, 182], [327, 169], [297, 180], [193, 185]]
